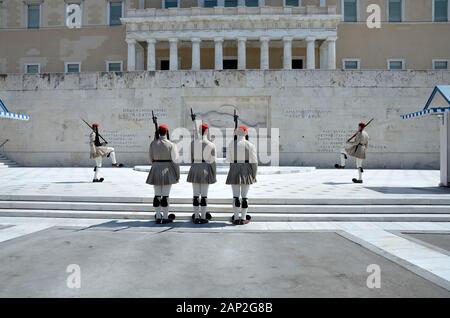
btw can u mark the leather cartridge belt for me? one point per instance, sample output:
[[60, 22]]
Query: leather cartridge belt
[[162, 160], [198, 161]]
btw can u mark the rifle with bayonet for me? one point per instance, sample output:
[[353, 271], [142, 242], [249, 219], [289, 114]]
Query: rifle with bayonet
[[235, 118], [193, 117], [155, 122], [96, 131], [354, 135]]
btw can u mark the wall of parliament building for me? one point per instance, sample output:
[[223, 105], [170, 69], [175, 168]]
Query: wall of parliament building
[[222, 34]]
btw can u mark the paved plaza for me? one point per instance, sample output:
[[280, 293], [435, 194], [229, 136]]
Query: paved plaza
[[135, 258], [128, 255], [316, 186]]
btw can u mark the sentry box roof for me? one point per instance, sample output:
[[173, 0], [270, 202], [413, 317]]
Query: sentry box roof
[[5, 113], [438, 103]]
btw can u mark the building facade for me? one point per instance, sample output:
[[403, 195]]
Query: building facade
[[151, 35]]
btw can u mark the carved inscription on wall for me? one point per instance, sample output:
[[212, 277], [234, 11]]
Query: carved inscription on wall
[[142, 114], [308, 113]]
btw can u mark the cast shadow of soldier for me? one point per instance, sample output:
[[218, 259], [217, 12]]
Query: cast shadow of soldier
[[118, 225], [400, 190], [411, 190]]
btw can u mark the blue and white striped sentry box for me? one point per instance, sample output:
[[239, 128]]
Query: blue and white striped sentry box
[[429, 111], [14, 116], [4, 113], [437, 104]]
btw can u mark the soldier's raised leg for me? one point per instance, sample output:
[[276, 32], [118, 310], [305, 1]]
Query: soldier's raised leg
[[112, 153], [343, 158]]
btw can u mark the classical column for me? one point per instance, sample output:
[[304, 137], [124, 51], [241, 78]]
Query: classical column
[[131, 62], [151, 55], [287, 52], [242, 53], [264, 41], [195, 54], [173, 63], [331, 53], [218, 51], [310, 53]]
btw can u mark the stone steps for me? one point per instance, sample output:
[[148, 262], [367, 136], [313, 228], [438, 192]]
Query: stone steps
[[5, 162], [396, 200], [262, 170], [227, 208], [261, 217]]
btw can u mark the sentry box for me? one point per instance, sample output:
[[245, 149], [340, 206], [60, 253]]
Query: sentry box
[[439, 105]]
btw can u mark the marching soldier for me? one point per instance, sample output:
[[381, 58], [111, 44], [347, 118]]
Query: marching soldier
[[203, 170], [99, 151], [165, 171], [243, 167], [358, 147]]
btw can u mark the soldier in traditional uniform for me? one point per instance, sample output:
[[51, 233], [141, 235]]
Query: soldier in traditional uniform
[[202, 172], [357, 149], [243, 168], [99, 151], [165, 171]]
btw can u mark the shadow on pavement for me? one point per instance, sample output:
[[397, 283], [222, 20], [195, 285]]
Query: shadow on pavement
[[411, 190], [121, 225], [337, 183], [72, 182]]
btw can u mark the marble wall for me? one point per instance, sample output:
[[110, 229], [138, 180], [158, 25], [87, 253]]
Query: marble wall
[[315, 111]]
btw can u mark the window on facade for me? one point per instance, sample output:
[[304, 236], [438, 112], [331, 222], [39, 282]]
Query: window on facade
[[32, 68], [115, 12], [230, 64], [395, 10], [440, 64], [210, 3], [251, 3], [114, 66], [350, 11], [33, 16], [73, 67], [231, 3], [350, 64], [441, 10], [297, 64], [172, 4], [396, 65], [294, 3]]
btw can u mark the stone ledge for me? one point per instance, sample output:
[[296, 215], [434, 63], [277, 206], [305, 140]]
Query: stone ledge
[[228, 78]]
